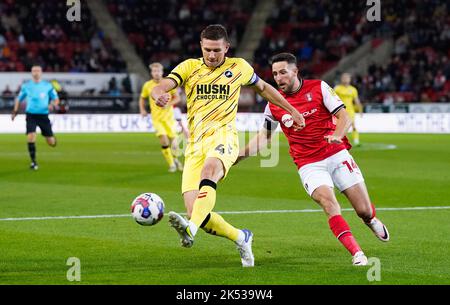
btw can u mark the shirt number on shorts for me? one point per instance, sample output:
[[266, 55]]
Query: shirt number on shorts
[[221, 149], [350, 165]]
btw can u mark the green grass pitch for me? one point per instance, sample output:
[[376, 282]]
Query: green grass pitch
[[97, 174]]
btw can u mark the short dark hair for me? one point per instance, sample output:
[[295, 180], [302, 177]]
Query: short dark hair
[[288, 57], [215, 32]]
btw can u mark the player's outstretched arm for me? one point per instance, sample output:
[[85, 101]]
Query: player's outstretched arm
[[15, 109], [343, 123], [260, 141], [273, 96], [160, 93], [359, 106], [142, 107]]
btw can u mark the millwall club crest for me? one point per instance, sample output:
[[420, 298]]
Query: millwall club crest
[[308, 96]]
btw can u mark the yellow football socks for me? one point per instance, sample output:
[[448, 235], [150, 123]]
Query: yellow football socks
[[216, 225], [167, 153], [204, 203]]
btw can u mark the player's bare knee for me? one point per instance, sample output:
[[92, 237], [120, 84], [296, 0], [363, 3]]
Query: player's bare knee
[[31, 137], [164, 141], [212, 171], [51, 142], [329, 204], [208, 172], [365, 213], [330, 207]]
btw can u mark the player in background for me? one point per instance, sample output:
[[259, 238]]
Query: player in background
[[349, 95], [212, 85], [40, 97], [183, 132], [63, 105], [162, 117], [320, 150]]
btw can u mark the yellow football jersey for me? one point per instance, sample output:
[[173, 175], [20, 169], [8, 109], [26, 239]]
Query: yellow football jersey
[[212, 94], [348, 95], [158, 113]]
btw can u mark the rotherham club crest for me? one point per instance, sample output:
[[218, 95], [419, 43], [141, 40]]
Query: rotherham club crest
[[308, 96]]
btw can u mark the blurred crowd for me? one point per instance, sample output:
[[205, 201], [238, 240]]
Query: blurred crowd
[[33, 31], [319, 32], [419, 69], [168, 31], [322, 32]]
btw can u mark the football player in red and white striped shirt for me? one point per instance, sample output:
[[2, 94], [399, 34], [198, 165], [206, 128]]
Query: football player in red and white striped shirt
[[320, 150]]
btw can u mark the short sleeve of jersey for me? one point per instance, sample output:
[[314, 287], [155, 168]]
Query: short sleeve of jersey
[[23, 93], [249, 77], [270, 123], [144, 91], [181, 72], [330, 99]]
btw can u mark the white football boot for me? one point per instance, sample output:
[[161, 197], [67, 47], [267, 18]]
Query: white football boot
[[245, 249], [359, 259], [181, 225], [179, 165], [379, 229]]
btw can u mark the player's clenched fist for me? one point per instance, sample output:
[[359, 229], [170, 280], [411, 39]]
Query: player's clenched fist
[[163, 99], [299, 120], [332, 139]]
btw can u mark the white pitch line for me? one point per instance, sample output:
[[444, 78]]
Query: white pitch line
[[223, 212]]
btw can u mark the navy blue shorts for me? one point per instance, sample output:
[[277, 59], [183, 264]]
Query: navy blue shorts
[[39, 120]]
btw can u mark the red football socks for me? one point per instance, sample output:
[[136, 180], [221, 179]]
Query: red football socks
[[342, 231], [374, 213]]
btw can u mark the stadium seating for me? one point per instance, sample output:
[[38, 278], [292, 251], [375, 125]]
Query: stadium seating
[[419, 69], [168, 31], [320, 33], [38, 32]]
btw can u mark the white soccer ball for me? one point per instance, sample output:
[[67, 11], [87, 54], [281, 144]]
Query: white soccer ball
[[147, 209]]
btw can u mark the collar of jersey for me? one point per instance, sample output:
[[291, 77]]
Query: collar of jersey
[[224, 60], [298, 89]]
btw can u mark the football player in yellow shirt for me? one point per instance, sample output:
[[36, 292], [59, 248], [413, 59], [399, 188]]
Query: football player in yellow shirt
[[349, 95], [162, 117], [212, 85]]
